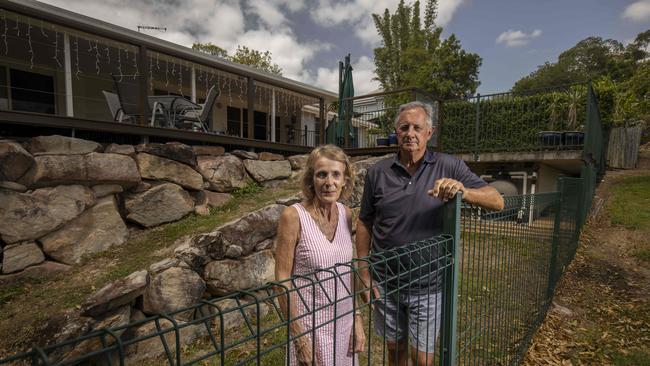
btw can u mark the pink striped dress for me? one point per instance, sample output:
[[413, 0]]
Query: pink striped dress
[[329, 298]]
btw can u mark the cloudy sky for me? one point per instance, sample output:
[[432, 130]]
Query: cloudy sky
[[308, 37]]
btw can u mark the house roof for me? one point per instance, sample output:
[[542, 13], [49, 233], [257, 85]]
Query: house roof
[[75, 20]]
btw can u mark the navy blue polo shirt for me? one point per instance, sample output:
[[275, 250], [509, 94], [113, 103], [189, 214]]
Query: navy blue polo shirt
[[396, 205]]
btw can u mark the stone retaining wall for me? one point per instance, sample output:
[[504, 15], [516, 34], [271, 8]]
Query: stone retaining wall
[[46, 229], [64, 198]]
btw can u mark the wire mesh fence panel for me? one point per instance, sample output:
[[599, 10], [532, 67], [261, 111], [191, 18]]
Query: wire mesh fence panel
[[503, 277], [270, 325]]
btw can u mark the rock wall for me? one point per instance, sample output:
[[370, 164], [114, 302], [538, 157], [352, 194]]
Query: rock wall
[[63, 198]]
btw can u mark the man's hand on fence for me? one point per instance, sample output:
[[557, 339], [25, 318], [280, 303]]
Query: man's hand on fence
[[358, 336], [445, 189]]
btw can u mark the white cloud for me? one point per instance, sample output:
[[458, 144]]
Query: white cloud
[[446, 10], [287, 52], [517, 38], [362, 75], [638, 11]]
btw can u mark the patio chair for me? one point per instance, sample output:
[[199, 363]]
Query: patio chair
[[198, 119], [115, 107], [128, 93]]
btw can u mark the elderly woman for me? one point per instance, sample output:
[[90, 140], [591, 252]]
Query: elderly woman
[[313, 235]]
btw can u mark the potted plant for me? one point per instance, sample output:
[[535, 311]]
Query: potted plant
[[552, 137], [574, 136], [383, 131], [374, 136]]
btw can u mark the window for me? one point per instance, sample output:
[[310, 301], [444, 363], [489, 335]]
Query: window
[[31, 92]]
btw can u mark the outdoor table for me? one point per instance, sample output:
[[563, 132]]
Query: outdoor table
[[173, 106]]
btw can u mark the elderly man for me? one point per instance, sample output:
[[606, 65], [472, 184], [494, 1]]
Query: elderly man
[[401, 204]]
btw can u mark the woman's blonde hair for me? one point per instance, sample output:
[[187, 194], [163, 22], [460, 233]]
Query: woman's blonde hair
[[333, 153]]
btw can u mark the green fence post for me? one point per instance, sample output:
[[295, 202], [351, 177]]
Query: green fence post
[[451, 226], [552, 278], [477, 126]]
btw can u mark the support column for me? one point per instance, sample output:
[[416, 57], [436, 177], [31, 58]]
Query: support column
[[67, 64], [143, 85], [251, 107], [194, 85], [273, 137], [321, 116]]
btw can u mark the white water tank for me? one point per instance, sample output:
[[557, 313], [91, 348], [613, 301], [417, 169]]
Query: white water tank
[[505, 187]]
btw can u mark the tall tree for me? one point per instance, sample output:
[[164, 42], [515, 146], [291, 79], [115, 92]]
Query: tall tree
[[591, 58], [243, 55], [413, 54]]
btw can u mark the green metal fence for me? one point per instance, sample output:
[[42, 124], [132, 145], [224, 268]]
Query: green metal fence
[[497, 272], [549, 119]]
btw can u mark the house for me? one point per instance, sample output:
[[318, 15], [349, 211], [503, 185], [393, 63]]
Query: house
[[58, 69]]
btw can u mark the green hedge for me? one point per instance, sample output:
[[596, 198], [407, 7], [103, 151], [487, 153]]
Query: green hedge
[[508, 122]]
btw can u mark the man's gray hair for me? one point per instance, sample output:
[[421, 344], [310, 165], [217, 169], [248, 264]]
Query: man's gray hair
[[428, 111]]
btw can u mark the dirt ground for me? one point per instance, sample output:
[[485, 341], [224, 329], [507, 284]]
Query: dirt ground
[[601, 310]]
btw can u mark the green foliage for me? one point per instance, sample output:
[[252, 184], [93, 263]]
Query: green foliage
[[634, 357], [630, 204], [243, 55], [509, 121], [621, 76], [251, 188], [254, 58], [414, 55], [210, 49]]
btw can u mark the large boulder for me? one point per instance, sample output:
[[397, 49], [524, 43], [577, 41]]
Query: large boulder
[[17, 257], [227, 276], [151, 343], [117, 318], [217, 199], [242, 154], [224, 173], [253, 228], [103, 190], [61, 145], [208, 150], [157, 168], [14, 160], [116, 294], [173, 289], [298, 162], [37, 272], [171, 150], [90, 169], [13, 186], [263, 171], [94, 231], [164, 203], [211, 199], [120, 149], [27, 216], [196, 251], [267, 156]]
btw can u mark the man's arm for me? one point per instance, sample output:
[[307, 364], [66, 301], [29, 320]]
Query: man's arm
[[486, 197], [362, 242]]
